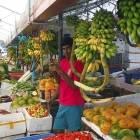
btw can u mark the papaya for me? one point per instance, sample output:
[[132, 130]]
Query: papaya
[[125, 132], [101, 120], [106, 111], [114, 131], [96, 118], [89, 115], [116, 106], [105, 127], [138, 117], [129, 138], [131, 112], [115, 119], [87, 110], [111, 105], [109, 115], [125, 123], [121, 110], [136, 123], [102, 109], [138, 133], [130, 105]]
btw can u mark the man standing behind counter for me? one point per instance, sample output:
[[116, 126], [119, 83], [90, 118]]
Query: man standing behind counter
[[71, 102]]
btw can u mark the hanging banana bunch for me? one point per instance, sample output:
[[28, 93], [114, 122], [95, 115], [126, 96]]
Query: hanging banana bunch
[[98, 41], [129, 23], [12, 53]]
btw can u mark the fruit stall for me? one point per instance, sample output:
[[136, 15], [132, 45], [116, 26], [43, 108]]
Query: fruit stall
[[104, 40]]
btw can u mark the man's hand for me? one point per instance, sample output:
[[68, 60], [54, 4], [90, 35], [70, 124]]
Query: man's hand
[[55, 68]]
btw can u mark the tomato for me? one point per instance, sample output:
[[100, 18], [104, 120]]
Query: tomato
[[71, 136]]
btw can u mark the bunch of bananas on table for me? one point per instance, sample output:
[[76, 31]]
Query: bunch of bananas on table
[[135, 81], [129, 14]]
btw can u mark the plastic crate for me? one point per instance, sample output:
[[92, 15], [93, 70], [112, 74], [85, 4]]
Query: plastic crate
[[35, 137], [115, 60], [111, 69], [128, 77]]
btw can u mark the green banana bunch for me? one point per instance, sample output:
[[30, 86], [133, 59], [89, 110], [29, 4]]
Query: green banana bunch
[[72, 20], [102, 33], [83, 51], [129, 22]]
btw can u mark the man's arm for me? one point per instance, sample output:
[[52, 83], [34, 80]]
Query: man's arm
[[69, 81], [52, 99]]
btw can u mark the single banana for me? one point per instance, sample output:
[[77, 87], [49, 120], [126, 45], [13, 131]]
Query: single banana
[[93, 68], [91, 78], [98, 61], [106, 73], [98, 101], [89, 67], [84, 87], [137, 82], [96, 66], [102, 50], [94, 47]]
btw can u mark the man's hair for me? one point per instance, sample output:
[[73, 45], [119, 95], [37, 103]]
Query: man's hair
[[67, 41]]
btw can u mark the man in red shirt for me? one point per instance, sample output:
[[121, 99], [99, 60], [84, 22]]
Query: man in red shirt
[[71, 102]]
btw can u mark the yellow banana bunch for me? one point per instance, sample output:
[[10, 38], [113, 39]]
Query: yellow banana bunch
[[36, 46], [135, 81], [21, 47], [46, 36], [93, 66], [37, 52], [30, 52]]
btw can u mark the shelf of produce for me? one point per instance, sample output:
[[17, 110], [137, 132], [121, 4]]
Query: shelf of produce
[[128, 87], [96, 129]]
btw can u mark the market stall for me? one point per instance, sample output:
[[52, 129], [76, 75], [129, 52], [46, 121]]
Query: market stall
[[99, 42]]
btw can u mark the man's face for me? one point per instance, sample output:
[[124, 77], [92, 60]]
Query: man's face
[[66, 50]]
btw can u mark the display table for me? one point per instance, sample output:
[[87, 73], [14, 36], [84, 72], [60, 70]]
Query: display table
[[123, 88], [96, 129]]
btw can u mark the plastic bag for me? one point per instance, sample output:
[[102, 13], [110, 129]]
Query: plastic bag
[[6, 88]]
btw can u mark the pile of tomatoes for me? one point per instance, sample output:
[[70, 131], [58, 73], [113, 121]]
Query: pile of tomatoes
[[71, 136]]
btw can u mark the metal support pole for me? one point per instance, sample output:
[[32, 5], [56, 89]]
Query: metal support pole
[[60, 36], [17, 61]]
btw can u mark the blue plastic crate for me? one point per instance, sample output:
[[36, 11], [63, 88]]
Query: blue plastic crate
[[35, 137], [128, 77]]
